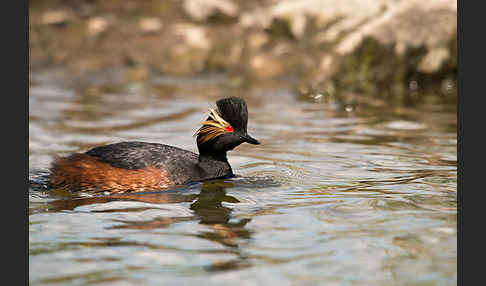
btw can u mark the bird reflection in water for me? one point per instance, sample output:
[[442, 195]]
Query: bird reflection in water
[[211, 212], [207, 206]]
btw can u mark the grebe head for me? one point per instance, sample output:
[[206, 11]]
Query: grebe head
[[225, 127]]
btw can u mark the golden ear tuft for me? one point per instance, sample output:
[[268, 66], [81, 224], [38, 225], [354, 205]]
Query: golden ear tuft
[[211, 128]]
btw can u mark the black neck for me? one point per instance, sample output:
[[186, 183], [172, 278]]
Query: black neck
[[214, 165], [220, 156]]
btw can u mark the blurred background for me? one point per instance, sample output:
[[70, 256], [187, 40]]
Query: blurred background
[[354, 102], [377, 47]]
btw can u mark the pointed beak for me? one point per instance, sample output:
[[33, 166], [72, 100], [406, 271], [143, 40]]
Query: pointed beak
[[248, 139]]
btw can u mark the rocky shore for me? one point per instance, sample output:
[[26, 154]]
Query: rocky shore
[[384, 47]]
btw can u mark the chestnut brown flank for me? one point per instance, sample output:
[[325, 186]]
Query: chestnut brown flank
[[81, 172]]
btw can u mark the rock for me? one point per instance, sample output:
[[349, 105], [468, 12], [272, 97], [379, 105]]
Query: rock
[[57, 17], [255, 19], [185, 60], [326, 63], [412, 23], [150, 25], [257, 40], [191, 54], [359, 46], [363, 44], [97, 25], [297, 12], [202, 10], [433, 60], [346, 23], [265, 66], [194, 36]]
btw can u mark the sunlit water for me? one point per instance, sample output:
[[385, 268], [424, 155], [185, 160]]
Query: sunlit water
[[333, 195]]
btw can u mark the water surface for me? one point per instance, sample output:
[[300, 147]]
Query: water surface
[[335, 195]]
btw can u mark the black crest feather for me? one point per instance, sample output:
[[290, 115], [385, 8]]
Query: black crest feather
[[235, 111]]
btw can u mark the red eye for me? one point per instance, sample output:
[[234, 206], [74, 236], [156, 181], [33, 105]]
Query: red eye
[[229, 128]]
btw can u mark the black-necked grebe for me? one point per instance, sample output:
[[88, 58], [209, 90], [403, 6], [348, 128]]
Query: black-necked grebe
[[139, 166]]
